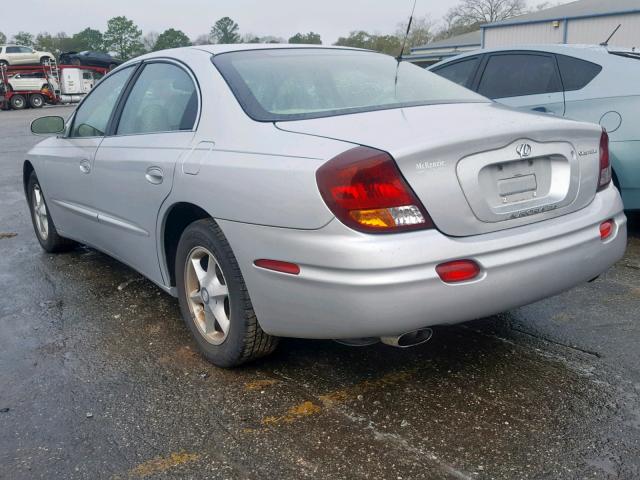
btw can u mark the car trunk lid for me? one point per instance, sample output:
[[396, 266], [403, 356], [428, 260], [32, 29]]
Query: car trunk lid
[[478, 168]]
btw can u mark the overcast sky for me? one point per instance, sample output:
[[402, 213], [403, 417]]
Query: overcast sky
[[281, 18]]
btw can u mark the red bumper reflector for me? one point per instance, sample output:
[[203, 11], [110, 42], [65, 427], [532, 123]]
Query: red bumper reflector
[[458, 271], [606, 229], [278, 266]]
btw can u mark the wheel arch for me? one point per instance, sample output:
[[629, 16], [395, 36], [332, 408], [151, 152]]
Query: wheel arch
[[27, 169], [175, 220]]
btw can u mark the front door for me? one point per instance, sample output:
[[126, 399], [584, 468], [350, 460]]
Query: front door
[[524, 80], [134, 167], [69, 164]]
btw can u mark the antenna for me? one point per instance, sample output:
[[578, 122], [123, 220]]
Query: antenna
[[606, 42], [406, 35]]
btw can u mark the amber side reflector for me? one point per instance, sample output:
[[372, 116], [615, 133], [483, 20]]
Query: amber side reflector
[[458, 271], [606, 229], [278, 266]]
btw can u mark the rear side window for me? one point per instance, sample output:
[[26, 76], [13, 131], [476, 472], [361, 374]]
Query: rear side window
[[516, 75], [13, 50], [576, 73], [459, 72], [163, 99]]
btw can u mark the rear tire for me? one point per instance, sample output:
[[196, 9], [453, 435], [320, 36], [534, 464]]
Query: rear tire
[[36, 100], [76, 61], [43, 225], [213, 295], [4, 63], [18, 102]]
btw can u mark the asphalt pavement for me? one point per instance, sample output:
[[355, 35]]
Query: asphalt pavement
[[99, 378]]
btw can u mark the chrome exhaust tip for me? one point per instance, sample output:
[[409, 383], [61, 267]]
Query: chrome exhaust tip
[[408, 340]]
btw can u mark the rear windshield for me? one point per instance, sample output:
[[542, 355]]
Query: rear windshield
[[295, 84]]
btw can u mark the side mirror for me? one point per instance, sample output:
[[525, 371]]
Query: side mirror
[[47, 125]]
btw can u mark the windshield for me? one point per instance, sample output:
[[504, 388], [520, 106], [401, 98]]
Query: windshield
[[295, 84]]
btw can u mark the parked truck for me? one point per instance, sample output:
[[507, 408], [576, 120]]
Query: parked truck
[[22, 87]]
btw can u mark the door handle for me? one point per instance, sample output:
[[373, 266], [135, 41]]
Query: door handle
[[85, 166], [154, 175]]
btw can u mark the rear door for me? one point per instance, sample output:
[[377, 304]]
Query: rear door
[[135, 164], [523, 79], [16, 56]]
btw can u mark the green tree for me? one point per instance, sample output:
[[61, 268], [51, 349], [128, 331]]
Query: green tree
[[389, 44], [421, 32], [310, 38], [225, 30], [3, 38], [55, 44], [23, 38], [123, 37], [87, 39], [172, 39]]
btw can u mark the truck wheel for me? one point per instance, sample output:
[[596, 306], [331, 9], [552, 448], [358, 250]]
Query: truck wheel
[[36, 100], [214, 301], [18, 102]]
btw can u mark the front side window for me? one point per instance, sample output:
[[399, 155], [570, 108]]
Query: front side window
[[26, 50], [93, 114], [296, 84], [516, 75], [163, 99], [459, 72]]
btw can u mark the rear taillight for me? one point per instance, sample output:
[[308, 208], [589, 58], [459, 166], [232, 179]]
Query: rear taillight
[[365, 190], [605, 163]]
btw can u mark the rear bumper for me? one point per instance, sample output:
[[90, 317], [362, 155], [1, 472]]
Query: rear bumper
[[355, 285]]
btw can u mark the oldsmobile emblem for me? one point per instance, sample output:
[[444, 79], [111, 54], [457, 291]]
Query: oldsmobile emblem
[[524, 150]]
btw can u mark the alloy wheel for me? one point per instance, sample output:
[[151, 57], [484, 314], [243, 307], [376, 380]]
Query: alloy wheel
[[40, 215], [207, 295]]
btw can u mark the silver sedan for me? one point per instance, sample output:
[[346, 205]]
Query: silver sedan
[[322, 193]]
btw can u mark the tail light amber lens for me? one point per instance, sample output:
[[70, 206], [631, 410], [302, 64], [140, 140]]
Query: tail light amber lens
[[365, 190]]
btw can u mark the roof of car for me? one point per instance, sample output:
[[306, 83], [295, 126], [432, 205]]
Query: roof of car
[[593, 52], [224, 48]]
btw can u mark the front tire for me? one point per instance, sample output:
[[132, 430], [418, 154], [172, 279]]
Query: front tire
[[43, 225], [214, 301]]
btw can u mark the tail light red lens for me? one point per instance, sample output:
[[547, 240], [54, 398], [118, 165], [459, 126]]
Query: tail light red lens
[[458, 271], [605, 163], [278, 266], [606, 229], [365, 190]]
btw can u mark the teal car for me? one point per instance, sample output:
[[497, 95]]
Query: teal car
[[583, 82]]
